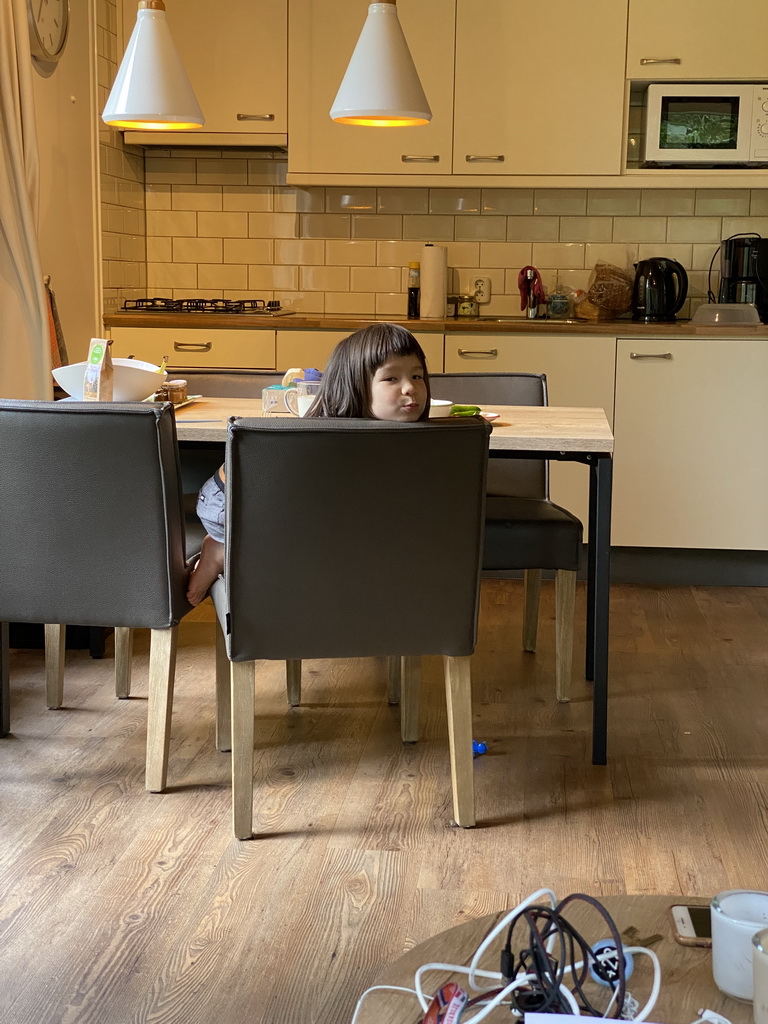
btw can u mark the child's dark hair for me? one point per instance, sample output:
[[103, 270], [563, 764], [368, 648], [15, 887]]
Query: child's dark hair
[[346, 386]]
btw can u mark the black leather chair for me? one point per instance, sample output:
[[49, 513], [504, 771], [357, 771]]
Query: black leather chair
[[523, 528], [93, 533], [393, 517]]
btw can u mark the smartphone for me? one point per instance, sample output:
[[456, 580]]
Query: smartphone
[[691, 925]]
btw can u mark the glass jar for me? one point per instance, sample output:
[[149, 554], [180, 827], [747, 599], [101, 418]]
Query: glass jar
[[467, 305]]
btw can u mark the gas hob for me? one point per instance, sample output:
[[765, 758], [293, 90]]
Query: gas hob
[[258, 307]]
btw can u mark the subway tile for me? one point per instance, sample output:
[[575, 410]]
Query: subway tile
[[613, 202], [157, 197], [567, 255], [201, 153], [273, 225], [198, 250], [222, 275], [171, 275], [428, 228], [169, 222], [680, 252], [507, 201], [324, 225], [159, 170], [324, 279], [391, 304], [350, 200], [402, 200], [585, 229], [247, 199], [733, 225], [222, 172], [668, 202], [505, 254], [454, 200], [344, 253], [722, 202], [758, 202], [697, 284], [391, 254], [465, 278], [693, 229], [129, 193], [266, 172], [702, 257], [502, 304], [299, 200], [463, 254], [480, 228], [377, 226], [302, 302], [362, 303], [249, 250], [222, 225], [271, 277], [196, 197], [571, 201], [110, 246], [571, 280], [640, 229], [620, 254], [302, 252], [375, 279], [533, 229]]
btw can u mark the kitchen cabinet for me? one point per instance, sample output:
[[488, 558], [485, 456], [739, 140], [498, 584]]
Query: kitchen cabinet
[[697, 39], [690, 427], [580, 372], [198, 347], [312, 348], [544, 102], [236, 56]]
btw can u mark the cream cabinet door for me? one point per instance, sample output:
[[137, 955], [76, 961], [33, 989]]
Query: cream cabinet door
[[539, 90], [691, 425], [236, 56], [580, 372], [212, 348], [697, 39], [322, 37], [312, 348]]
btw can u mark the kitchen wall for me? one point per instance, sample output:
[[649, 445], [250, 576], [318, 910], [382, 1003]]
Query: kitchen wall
[[224, 223]]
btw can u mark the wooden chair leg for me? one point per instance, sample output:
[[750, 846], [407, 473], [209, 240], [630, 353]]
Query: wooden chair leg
[[410, 694], [458, 695], [55, 642], [565, 602], [162, 669], [123, 658], [243, 706], [223, 693], [293, 682], [5, 679], [394, 670], [531, 592]]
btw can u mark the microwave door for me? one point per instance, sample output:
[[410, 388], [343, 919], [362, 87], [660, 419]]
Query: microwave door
[[699, 124]]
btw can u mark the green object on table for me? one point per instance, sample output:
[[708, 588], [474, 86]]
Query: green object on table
[[465, 410]]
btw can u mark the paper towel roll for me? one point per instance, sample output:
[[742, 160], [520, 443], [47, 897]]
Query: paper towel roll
[[434, 281]]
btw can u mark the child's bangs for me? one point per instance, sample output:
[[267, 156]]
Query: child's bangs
[[392, 343]]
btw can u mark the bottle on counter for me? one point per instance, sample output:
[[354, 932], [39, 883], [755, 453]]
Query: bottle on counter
[[414, 289]]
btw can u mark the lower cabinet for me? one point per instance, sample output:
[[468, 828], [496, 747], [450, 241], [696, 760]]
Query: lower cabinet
[[691, 427], [312, 348], [197, 346], [580, 371]]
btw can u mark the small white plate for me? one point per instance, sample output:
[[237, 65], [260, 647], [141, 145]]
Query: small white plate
[[489, 415]]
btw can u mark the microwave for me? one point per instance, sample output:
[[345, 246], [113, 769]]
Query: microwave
[[698, 124]]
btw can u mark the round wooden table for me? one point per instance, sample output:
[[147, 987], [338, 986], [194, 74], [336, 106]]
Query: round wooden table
[[686, 971]]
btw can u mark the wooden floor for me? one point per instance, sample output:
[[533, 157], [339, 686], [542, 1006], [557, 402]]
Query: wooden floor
[[121, 906]]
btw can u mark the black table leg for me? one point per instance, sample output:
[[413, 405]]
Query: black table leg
[[601, 481], [589, 669], [5, 685]]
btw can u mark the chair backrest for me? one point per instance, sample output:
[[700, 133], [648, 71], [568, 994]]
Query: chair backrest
[[227, 383], [523, 478], [352, 538], [92, 525]]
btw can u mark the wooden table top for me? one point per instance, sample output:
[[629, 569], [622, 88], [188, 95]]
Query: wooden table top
[[520, 428], [686, 971]]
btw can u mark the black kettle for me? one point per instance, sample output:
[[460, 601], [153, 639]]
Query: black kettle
[[661, 286]]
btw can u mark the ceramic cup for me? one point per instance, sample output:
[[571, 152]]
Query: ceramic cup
[[300, 397], [737, 915]]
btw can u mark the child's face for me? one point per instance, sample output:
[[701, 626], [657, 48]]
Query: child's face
[[398, 390]]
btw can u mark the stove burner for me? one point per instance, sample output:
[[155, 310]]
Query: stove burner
[[159, 305]]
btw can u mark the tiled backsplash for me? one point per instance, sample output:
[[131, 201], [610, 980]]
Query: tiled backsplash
[[225, 223]]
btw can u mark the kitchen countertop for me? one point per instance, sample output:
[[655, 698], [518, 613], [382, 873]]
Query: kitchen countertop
[[516, 325]]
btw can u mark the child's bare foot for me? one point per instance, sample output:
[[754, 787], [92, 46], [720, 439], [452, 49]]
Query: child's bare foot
[[209, 567]]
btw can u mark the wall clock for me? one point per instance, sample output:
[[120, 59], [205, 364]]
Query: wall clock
[[48, 28]]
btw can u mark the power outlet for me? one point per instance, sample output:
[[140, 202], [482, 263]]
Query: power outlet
[[481, 286]]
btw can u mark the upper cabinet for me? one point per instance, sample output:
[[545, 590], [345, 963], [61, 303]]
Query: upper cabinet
[[539, 91], [236, 56], [697, 39]]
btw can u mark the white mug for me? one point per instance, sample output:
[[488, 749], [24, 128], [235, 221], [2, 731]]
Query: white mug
[[737, 915], [300, 398]]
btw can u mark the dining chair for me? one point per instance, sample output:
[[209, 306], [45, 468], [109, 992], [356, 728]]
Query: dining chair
[[524, 529], [93, 533], [390, 516]]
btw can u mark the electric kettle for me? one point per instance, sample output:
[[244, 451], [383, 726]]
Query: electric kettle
[[661, 286]]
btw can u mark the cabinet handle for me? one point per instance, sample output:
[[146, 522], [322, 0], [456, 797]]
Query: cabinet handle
[[660, 60], [255, 117], [192, 346], [650, 355], [415, 159], [467, 353], [473, 158]]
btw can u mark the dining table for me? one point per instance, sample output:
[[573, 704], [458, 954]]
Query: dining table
[[519, 432]]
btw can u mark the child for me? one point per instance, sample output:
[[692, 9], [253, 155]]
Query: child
[[377, 373]]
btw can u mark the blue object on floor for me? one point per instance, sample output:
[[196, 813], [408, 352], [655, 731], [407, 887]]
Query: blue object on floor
[[478, 748]]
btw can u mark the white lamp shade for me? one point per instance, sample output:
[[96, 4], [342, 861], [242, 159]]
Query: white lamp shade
[[151, 90], [381, 87]]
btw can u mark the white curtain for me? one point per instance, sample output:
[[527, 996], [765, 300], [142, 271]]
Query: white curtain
[[25, 348]]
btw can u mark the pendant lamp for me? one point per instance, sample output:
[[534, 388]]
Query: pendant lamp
[[151, 90], [381, 87]]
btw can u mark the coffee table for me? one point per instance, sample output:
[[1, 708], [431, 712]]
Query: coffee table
[[686, 971]]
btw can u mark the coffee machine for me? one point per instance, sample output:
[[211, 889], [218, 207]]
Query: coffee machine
[[744, 272]]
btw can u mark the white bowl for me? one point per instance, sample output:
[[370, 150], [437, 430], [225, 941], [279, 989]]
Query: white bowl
[[727, 314], [133, 379], [439, 407]]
